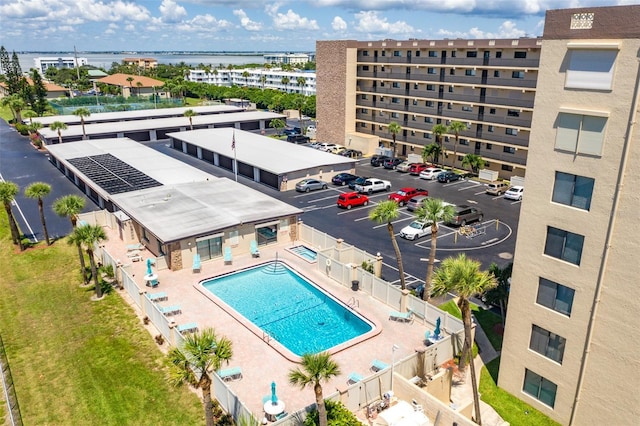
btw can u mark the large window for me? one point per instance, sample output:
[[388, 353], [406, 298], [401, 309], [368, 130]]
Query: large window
[[431, 70], [555, 296], [580, 134], [547, 343], [433, 54], [517, 74], [209, 247], [590, 69], [572, 190], [540, 388], [564, 245]]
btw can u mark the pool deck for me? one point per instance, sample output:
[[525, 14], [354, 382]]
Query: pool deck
[[261, 364]]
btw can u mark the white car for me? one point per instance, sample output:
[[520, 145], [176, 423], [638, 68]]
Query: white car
[[514, 193], [430, 173], [326, 146], [415, 230]]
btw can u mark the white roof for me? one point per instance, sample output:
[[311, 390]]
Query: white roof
[[265, 153], [136, 115], [160, 123]]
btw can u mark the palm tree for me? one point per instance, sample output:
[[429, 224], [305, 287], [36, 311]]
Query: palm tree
[[8, 192], [314, 369], [30, 114], [473, 161], [278, 124], [456, 127], [38, 190], [190, 114], [433, 210], [500, 294], [88, 236], [432, 150], [464, 277], [130, 81], [386, 212], [285, 81], [438, 130], [82, 113], [263, 80], [301, 82], [70, 206], [245, 74], [298, 103], [394, 129], [139, 86], [16, 104], [202, 352], [59, 126]]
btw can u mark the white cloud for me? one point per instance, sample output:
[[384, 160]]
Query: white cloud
[[507, 29], [289, 20], [338, 24], [370, 22], [171, 11], [203, 24], [247, 23]]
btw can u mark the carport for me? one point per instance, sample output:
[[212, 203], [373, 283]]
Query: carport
[[272, 162]]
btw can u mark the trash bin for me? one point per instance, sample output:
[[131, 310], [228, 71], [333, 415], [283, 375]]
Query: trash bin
[[355, 285]]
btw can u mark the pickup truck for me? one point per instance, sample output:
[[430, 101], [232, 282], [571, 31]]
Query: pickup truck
[[372, 185], [403, 195]]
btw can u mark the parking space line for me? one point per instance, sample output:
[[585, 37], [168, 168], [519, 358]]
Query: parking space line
[[394, 222]]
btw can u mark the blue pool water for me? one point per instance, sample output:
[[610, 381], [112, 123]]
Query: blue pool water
[[289, 308], [305, 253]]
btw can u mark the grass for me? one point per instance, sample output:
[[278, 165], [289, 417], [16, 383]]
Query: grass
[[510, 408], [487, 320], [6, 114], [75, 361]]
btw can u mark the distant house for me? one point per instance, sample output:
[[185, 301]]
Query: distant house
[[144, 63], [134, 85], [53, 90]]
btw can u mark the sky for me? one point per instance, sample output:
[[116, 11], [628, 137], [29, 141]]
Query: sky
[[257, 25]]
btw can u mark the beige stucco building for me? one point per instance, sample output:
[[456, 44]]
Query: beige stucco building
[[570, 346]]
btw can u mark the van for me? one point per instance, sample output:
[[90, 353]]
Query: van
[[497, 188], [465, 214]]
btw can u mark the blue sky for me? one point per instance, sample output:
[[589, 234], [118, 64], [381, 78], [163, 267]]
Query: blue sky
[[255, 25]]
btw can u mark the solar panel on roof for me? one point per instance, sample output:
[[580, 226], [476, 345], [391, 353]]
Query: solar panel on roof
[[112, 174]]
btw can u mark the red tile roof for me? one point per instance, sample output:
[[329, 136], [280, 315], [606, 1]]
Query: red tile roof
[[121, 80]]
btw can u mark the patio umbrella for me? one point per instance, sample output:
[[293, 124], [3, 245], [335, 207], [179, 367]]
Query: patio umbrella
[[274, 398], [436, 332], [149, 271]]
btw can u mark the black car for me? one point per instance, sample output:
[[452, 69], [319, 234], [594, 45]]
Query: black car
[[448, 176], [298, 139], [292, 131], [391, 163], [378, 160], [343, 179], [359, 181], [351, 153]]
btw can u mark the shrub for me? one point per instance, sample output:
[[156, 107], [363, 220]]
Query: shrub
[[337, 415], [23, 129]]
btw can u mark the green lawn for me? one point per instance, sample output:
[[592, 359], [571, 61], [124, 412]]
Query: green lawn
[[510, 408], [487, 320], [75, 361]]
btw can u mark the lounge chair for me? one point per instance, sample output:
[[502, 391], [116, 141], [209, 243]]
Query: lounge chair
[[136, 246], [134, 256], [158, 297], [170, 310], [281, 415], [254, 249], [401, 316], [377, 365], [230, 374], [190, 327], [227, 256], [354, 378], [196, 263]]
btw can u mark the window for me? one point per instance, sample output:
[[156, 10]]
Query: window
[[492, 110], [453, 53], [507, 168], [581, 134], [498, 54], [396, 53], [413, 133], [467, 108], [513, 113], [590, 69], [395, 100], [416, 86], [547, 343], [428, 119], [472, 54], [517, 74], [381, 83], [491, 129], [572, 190], [509, 150], [365, 68], [470, 72], [540, 388], [433, 54], [464, 142], [208, 248], [365, 53], [430, 104], [382, 67], [555, 296], [452, 71], [413, 118], [451, 89], [364, 110], [145, 237], [380, 127], [395, 85], [362, 124], [383, 53], [395, 115], [496, 73], [449, 105], [427, 136], [381, 98], [417, 53], [511, 131], [415, 102], [431, 87], [431, 70], [564, 245], [489, 146], [520, 55]]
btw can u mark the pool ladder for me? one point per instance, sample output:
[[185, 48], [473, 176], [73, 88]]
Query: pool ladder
[[353, 303], [266, 336]]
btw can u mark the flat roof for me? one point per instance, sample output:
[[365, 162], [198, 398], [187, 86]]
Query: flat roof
[[269, 154], [160, 123], [136, 114], [179, 211]]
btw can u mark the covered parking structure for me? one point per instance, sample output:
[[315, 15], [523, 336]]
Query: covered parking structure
[[157, 129], [172, 208], [272, 162]]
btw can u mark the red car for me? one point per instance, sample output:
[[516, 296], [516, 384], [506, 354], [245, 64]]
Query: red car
[[352, 199], [416, 168], [403, 195]]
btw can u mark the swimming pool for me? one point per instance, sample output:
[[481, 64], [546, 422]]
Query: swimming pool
[[289, 308], [305, 252]]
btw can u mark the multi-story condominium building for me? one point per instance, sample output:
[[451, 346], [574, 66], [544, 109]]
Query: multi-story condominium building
[[288, 58], [489, 85], [43, 63], [303, 82], [570, 346], [142, 63]]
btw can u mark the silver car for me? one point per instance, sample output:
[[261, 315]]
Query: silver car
[[307, 185], [415, 203]]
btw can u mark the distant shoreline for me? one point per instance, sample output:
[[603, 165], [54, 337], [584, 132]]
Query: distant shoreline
[[158, 52]]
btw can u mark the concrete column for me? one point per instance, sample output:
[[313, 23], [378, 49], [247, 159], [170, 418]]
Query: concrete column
[[377, 266], [339, 242], [256, 174], [403, 300], [153, 135], [354, 272], [216, 159], [199, 152], [141, 296], [184, 145], [172, 331]]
